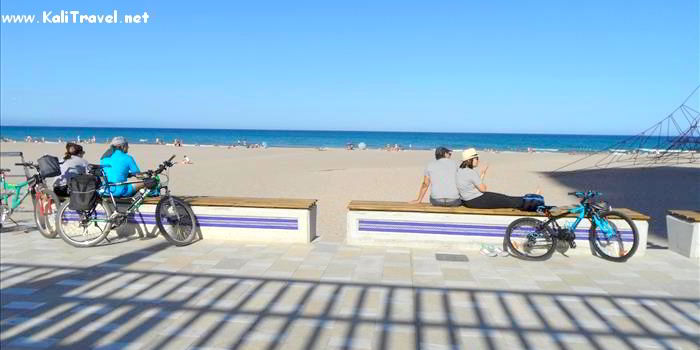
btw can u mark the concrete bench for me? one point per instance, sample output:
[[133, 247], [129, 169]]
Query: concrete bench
[[683, 227], [423, 225], [237, 219]]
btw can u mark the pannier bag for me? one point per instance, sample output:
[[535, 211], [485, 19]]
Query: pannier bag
[[49, 166], [83, 192], [532, 201]]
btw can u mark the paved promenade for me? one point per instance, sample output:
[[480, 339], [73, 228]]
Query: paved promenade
[[145, 294]]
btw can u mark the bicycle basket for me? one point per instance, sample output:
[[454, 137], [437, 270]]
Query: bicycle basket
[[49, 166], [83, 192]]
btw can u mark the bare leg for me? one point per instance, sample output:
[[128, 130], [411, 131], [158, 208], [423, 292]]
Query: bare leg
[[138, 186]]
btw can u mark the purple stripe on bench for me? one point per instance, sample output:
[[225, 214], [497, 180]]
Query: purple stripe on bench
[[224, 218], [451, 229], [218, 221]]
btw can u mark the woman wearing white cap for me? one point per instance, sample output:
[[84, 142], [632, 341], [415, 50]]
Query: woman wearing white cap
[[472, 189]]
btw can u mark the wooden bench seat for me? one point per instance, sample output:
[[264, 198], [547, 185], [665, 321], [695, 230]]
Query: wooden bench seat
[[424, 225], [237, 218], [687, 215], [683, 229], [428, 208]]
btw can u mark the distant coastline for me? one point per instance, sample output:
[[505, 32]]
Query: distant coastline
[[321, 139]]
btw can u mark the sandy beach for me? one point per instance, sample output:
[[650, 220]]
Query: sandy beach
[[337, 176]]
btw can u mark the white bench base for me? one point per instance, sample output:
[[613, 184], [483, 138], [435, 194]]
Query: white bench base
[[683, 236], [244, 224], [450, 231]]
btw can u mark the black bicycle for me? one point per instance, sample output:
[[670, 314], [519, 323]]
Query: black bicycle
[[612, 234], [90, 218]]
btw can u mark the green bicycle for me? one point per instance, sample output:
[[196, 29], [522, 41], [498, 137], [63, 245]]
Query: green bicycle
[[46, 202], [94, 211]]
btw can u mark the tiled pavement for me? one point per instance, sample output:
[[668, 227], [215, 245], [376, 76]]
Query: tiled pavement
[[145, 294]]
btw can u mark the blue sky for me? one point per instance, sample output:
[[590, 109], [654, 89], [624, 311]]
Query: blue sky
[[600, 67]]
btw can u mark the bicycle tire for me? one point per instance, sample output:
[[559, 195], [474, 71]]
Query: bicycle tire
[[4, 213], [68, 226], [522, 226], [47, 224], [601, 251], [185, 215]]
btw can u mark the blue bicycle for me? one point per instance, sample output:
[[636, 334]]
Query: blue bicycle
[[612, 235]]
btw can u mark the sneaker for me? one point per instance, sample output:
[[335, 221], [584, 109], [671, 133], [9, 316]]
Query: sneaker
[[500, 252], [487, 250]]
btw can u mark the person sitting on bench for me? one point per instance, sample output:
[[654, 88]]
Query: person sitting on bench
[[118, 166], [73, 164], [473, 190], [440, 177]]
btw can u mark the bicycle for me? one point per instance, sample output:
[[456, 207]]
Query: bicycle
[[85, 228], [46, 202], [612, 234]]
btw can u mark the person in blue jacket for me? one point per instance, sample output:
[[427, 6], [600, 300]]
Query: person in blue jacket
[[118, 165]]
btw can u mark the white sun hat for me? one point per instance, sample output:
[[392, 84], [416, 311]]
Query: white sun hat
[[469, 153]]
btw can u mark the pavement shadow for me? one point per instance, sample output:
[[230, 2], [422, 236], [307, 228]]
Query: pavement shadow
[[110, 306], [651, 191]]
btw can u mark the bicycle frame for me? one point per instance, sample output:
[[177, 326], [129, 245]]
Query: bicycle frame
[[582, 210], [139, 198], [16, 191]]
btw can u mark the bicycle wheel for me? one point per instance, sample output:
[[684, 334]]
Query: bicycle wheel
[[45, 212], [84, 228], [4, 213], [530, 239], [176, 220], [616, 239]]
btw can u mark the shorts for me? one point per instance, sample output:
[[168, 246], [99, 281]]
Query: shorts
[[120, 191]]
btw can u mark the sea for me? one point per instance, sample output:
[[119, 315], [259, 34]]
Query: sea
[[329, 139]]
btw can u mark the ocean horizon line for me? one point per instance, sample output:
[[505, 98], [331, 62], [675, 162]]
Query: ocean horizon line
[[316, 130], [324, 138]]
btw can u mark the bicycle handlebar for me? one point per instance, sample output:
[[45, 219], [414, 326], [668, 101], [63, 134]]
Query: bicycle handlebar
[[28, 164], [585, 195], [166, 164]]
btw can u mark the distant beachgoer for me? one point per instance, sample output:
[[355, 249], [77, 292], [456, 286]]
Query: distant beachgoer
[[473, 190], [186, 160], [28, 139], [440, 176], [73, 164]]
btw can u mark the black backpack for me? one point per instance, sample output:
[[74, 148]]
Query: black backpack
[[532, 201], [49, 166], [83, 192]]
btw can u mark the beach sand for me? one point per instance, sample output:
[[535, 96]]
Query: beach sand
[[336, 176]]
